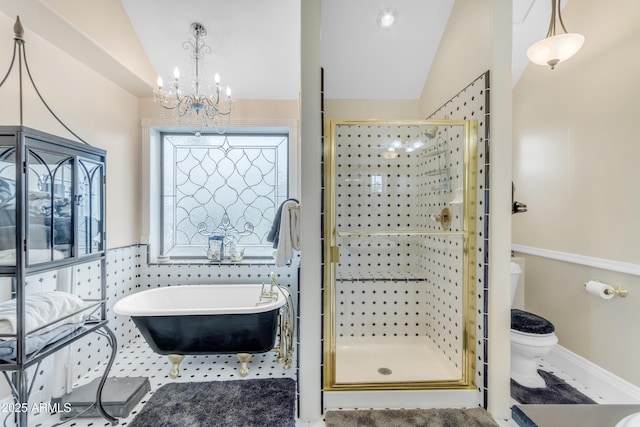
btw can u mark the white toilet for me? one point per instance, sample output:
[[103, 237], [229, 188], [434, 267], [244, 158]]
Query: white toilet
[[532, 337]]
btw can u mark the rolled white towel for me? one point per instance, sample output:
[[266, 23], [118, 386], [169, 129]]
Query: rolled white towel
[[42, 309]]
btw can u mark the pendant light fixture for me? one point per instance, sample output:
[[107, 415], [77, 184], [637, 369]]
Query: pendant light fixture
[[555, 48]]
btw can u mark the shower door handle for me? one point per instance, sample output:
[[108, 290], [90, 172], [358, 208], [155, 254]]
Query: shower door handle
[[335, 254]]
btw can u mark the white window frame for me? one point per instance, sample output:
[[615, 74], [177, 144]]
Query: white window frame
[[151, 193]]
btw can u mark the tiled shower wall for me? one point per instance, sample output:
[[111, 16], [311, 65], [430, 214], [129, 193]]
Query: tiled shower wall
[[409, 285], [442, 170], [128, 272], [473, 103]]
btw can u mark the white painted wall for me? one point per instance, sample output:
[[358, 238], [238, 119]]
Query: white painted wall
[[371, 109], [310, 332]]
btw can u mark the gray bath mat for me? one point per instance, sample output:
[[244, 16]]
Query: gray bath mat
[[246, 403], [476, 417], [556, 392]]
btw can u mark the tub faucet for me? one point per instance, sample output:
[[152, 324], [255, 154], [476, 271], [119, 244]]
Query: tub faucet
[[270, 294]]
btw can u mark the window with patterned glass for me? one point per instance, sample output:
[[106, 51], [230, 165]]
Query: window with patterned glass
[[226, 185]]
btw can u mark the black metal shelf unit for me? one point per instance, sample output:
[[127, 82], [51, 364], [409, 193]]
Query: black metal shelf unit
[[52, 211]]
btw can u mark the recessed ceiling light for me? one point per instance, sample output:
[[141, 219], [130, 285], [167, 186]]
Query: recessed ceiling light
[[387, 17]]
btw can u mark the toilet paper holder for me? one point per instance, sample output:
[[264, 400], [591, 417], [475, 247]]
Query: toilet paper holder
[[619, 291]]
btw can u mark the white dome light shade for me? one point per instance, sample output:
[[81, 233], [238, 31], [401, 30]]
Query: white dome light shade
[[553, 50]]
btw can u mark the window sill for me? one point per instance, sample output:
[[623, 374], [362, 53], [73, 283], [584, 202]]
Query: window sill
[[204, 261]]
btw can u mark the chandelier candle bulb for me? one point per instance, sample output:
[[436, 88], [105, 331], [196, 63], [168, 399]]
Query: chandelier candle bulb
[[176, 73], [159, 81]]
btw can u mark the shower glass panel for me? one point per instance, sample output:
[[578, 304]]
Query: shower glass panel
[[400, 203]]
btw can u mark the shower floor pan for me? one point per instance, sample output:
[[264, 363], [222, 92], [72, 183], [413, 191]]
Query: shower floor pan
[[391, 359]]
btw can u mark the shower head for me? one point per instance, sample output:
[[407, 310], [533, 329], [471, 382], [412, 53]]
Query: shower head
[[431, 132]]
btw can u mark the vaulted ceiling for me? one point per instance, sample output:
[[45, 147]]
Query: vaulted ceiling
[[256, 44]]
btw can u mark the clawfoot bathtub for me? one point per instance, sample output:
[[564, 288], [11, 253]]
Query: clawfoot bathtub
[[213, 319]]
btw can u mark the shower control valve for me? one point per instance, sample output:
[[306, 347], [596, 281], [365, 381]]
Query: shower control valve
[[444, 218]]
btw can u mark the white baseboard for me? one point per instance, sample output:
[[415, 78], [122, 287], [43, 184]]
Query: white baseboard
[[611, 387], [334, 400]]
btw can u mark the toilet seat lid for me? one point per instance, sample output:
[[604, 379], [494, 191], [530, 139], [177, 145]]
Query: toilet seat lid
[[523, 321]]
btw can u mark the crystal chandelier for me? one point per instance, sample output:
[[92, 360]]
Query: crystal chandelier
[[197, 103]]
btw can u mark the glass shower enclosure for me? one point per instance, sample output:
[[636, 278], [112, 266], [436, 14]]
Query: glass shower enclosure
[[400, 202]]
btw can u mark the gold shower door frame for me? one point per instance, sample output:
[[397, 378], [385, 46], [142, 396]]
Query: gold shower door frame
[[331, 258]]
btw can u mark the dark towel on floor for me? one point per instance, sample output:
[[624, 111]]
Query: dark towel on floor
[[556, 392]]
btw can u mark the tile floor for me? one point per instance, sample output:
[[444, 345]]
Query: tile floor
[[137, 359]]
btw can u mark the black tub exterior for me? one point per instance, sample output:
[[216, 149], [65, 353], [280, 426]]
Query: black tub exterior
[[210, 334]]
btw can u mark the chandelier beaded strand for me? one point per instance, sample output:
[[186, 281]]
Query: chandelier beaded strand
[[196, 103]]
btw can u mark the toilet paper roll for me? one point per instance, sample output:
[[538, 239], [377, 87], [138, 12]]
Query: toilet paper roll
[[600, 289]]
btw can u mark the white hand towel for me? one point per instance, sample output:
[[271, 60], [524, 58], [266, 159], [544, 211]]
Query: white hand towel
[[289, 234]]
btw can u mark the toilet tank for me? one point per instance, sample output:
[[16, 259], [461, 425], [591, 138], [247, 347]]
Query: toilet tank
[[515, 277]]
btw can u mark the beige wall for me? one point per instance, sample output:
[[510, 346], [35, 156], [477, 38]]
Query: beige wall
[[244, 110], [97, 110], [575, 165], [602, 331], [465, 52], [367, 109]]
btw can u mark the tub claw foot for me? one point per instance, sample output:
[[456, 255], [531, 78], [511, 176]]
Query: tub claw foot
[[287, 361], [175, 360], [279, 355], [244, 358]]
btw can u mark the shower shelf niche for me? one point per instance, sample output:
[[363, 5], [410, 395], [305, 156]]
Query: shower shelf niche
[[435, 152], [438, 171], [396, 278]]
